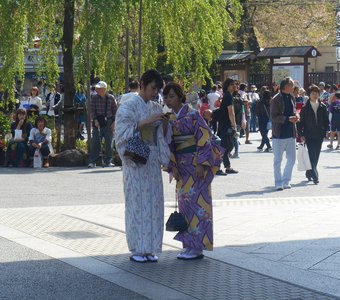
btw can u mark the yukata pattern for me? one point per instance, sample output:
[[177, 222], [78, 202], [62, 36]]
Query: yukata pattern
[[194, 194], [143, 186]]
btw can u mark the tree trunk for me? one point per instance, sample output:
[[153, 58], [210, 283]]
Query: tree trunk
[[70, 116]]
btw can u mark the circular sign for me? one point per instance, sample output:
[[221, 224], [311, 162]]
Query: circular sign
[[314, 53]]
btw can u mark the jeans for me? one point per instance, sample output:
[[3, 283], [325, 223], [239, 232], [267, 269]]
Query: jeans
[[314, 149], [97, 136], [253, 121], [279, 146], [264, 132], [45, 151]]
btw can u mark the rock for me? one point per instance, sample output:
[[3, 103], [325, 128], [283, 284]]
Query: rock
[[69, 158]]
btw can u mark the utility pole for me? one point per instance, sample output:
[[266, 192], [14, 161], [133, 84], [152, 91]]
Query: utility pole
[[338, 42]]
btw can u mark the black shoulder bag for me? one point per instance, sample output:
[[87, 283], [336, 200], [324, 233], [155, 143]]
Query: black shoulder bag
[[102, 119]]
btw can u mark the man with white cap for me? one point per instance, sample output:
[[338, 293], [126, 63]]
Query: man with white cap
[[103, 110]]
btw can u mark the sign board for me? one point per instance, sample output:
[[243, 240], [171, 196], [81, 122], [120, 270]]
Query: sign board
[[295, 72], [338, 54]]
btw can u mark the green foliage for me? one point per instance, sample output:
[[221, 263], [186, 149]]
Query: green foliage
[[12, 37], [5, 125], [191, 33], [81, 145]]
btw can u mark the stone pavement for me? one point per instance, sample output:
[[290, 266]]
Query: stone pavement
[[268, 245]]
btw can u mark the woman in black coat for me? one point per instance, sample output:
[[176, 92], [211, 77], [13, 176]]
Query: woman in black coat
[[312, 129]]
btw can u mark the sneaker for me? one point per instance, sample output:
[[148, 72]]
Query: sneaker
[[259, 149], [248, 142], [279, 188], [337, 147], [108, 165], [220, 173], [235, 155], [91, 165], [231, 171], [268, 150], [330, 146], [287, 186]]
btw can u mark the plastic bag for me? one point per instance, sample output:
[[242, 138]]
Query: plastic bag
[[37, 159], [303, 158]]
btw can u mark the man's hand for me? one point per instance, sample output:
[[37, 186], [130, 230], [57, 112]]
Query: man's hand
[[294, 119], [302, 139], [96, 123]]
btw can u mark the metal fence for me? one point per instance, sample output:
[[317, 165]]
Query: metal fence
[[313, 78]]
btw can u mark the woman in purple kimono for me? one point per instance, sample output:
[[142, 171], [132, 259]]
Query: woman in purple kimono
[[194, 160]]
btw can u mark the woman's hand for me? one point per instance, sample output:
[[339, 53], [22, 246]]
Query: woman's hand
[[38, 146], [200, 172], [175, 174], [20, 123], [154, 118]]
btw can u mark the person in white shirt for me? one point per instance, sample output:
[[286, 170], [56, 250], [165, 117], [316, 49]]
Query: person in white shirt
[[34, 102], [254, 98], [40, 139], [133, 90], [213, 96]]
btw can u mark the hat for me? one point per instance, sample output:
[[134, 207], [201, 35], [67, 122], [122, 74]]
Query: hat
[[253, 87], [101, 85], [322, 83]]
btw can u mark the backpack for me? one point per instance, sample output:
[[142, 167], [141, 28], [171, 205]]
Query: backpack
[[217, 115]]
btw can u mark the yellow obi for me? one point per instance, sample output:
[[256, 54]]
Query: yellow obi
[[149, 135], [185, 144]]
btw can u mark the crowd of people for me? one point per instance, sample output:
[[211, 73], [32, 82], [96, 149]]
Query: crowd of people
[[157, 126]]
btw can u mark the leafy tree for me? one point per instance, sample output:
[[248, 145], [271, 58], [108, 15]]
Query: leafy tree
[[93, 35]]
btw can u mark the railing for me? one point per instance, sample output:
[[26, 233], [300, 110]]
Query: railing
[[259, 79], [313, 78]]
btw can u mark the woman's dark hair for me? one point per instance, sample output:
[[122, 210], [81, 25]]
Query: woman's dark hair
[[150, 76], [20, 111], [35, 89], [176, 88], [266, 96], [227, 83], [314, 88], [39, 119], [134, 84]]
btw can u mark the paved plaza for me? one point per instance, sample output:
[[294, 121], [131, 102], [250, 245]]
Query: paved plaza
[[62, 236]]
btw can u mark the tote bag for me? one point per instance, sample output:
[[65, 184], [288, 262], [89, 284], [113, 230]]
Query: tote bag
[[303, 158]]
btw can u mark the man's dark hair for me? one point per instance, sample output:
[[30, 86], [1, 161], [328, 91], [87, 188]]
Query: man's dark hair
[[243, 86], [133, 85], [227, 83], [214, 88], [285, 82], [152, 75], [39, 119]]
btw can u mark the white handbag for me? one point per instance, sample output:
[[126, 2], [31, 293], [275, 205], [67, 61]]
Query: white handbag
[[303, 158]]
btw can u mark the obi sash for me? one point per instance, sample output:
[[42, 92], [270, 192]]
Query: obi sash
[[149, 135], [185, 144]]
